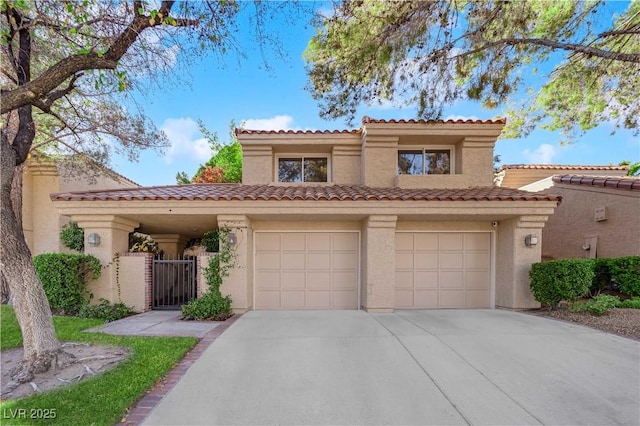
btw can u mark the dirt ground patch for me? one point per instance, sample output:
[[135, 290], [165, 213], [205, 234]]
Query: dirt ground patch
[[623, 322], [90, 360]]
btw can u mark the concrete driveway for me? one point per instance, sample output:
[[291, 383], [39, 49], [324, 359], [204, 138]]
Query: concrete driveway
[[412, 367]]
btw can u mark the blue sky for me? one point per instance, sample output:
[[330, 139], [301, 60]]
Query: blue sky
[[245, 92]]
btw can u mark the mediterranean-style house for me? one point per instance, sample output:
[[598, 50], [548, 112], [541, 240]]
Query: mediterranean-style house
[[537, 177], [397, 214]]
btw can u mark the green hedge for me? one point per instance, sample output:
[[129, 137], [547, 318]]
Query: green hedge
[[623, 271], [65, 277], [564, 279]]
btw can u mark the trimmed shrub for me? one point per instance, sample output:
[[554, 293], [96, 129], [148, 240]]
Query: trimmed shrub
[[210, 306], [599, 305], [106, 311], [625, 272], [602, 277], [633, 303], [72, 236], [564, 279], [65, 277]]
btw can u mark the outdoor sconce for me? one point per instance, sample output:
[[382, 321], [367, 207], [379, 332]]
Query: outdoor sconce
[[231, 239], [93, 240], [531, 240]]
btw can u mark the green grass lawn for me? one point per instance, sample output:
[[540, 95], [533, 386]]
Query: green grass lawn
[[101, 400]]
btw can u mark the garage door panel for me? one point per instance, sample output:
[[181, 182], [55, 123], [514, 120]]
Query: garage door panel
[[426, 279], [476, 260], [477, 280], [404, 298], [293, 242], [318, 299], [404, 279], [449, 242], [306, 270], [293, 261], [318, 242], [268, 242], [404, 260], [477, 241], [451, 279], [452, 299], [267, 299], [344, 280], [404, 241], [443, 270], [477, 298], [426, 260], [292, 299], [345, 261], [268, 280], [292, 280], [426, 299], [425, 241], [345, 241], [268, 261], [319, 280], [318, 261], [345, 299]]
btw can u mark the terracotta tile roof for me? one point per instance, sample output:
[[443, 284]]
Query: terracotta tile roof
[[561, 167], [499, 120], [241, 131], [615, 182], [238, 192]]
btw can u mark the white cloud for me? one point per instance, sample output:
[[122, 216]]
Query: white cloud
[[279, 122], [544, 154], [183, 135]]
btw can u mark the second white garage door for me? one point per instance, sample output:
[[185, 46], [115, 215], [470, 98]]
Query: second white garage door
[[306, 270], [443, 270]]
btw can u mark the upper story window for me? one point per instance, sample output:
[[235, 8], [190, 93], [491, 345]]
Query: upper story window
[[303, 169], [424, 161]]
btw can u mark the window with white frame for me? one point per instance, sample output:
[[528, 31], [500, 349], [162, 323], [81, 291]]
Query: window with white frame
[[303, 169], [424, 161]]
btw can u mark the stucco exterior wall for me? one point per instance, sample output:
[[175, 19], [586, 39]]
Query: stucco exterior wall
[[346, 165], [378, 258], [133, 278], [573, 224], [257, 165], [517, 178], [379, 161]]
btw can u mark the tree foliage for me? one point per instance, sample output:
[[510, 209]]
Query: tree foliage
[[226, 164], [431, 54]]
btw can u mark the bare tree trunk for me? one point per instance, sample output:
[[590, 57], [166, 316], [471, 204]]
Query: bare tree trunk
[[16, 204], [42, 350]]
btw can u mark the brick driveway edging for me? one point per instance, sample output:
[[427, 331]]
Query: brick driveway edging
[[147, 403]]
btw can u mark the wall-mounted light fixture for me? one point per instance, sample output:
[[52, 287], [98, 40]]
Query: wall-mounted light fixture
[[531, 240], [93, 240], [231, 239]]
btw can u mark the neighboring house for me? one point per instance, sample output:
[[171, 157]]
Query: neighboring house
[[41, 222], [395, 215], [598, 217], [537, 177]]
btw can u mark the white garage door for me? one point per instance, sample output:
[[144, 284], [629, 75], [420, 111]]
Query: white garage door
[[306, 270], [443, 270]]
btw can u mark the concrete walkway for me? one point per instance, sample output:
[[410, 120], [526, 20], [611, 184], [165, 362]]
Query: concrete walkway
[[412, 367], [157, 323]]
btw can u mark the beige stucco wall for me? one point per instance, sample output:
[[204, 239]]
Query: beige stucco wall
[[379, 161], [517, 178], [378, 263], [573, 224], [41, 221], [257, 165], [133, 287], [346, 165]]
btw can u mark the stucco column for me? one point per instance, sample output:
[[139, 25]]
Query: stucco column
[[171, 245], [379, 159], [239, 282], [514, 259], [379, 263], [114, 239]]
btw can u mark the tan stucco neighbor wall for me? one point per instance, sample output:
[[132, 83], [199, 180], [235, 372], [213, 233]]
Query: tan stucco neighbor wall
[[574, 224], [519, 177], [41, 221], [133, 280]]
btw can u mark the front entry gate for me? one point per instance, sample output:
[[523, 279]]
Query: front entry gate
[[174, 282]]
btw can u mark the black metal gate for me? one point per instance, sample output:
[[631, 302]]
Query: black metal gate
[[174, 282]]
